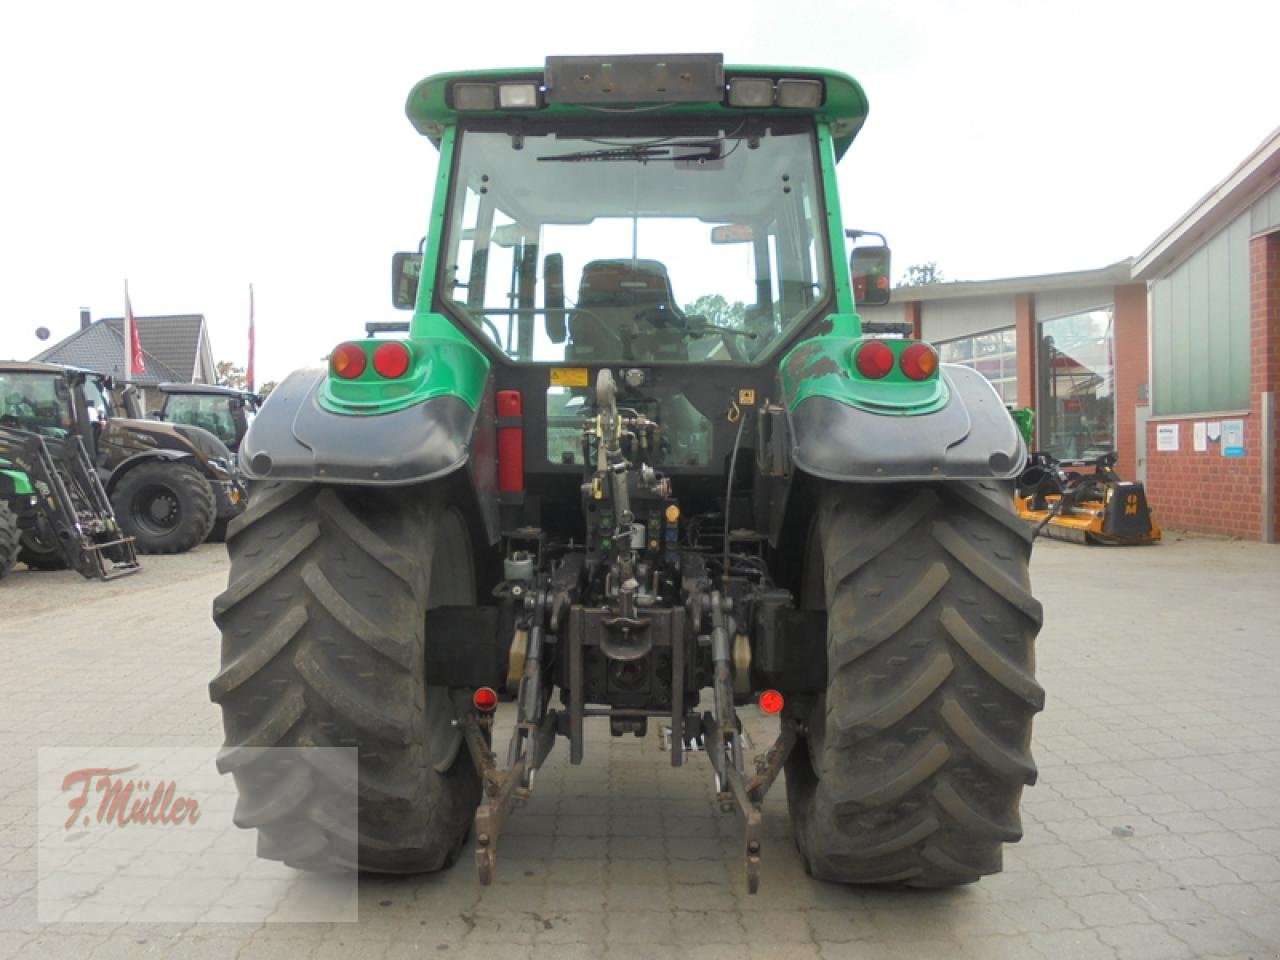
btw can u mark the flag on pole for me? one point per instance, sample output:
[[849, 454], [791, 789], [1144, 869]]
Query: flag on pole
[[249, 372], [134, 362]]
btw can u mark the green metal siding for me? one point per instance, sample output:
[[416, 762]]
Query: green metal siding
[[1266, 211], [1200, 328]]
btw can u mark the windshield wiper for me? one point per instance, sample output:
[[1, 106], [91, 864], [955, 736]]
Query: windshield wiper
[[641, 153]]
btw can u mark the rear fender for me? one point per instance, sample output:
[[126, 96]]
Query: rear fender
[[295, 438], [970, 437]]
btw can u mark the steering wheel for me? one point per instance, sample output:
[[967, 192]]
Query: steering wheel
[[694, 326]]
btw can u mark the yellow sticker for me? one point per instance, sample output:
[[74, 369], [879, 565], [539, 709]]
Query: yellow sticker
[[747, 397], [569, 376]]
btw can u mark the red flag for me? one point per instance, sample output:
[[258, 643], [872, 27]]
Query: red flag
[[134, 359], [249, 373], [140, 364]]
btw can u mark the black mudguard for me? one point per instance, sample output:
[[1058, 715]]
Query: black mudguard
[[294, 438], [112, 477], [971, 438]]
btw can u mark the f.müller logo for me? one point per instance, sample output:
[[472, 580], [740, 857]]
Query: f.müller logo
[[119, 806]]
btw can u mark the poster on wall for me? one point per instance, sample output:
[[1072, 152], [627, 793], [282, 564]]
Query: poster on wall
[[1200, 437], [1167, 437], [1233, 438]]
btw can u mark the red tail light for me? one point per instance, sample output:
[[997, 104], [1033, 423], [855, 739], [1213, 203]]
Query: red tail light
[[510, 405], [485, 699], [347, 361], [771, 702], [874, 360], [391, 360], [918, 361]]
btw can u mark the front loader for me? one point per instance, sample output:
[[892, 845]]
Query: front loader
[[634, 460]]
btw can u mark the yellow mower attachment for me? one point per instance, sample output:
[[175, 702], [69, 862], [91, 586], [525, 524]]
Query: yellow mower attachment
[[1088, 508]]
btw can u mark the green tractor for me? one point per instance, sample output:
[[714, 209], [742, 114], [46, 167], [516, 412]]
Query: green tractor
[[634, 460]]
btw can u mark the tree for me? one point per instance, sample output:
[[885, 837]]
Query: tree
[[920, 274], [230, 375], [266, 388], [718, 311]]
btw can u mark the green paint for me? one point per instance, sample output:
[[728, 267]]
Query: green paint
[[1025, 418], [844, 107], [439, 366], [443, 361], [823, 366], [845, 321], [424, 322], [21, 482]]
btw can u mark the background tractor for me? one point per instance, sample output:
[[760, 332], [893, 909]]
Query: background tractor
[[224, 411], [635, 459], [167, 483]]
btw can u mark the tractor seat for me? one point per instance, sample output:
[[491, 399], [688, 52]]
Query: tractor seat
[[613, 292]]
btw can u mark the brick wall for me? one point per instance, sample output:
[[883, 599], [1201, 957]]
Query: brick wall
[[1208, 492], [1264, 303], [1130, 370]]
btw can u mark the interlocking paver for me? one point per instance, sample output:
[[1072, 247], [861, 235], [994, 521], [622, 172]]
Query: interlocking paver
[[1153, 834]]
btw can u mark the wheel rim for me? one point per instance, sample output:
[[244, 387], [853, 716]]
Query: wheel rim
[[156, 510]]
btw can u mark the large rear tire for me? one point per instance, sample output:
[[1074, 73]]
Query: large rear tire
[[913, 763], [323, 646], [10, 538], [166, 506]]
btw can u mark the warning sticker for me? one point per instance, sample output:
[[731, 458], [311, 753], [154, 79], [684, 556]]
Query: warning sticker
[[569, 377]]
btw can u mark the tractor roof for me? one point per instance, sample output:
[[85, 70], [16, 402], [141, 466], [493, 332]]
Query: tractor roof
[[207, 389], [31, 366], [431, 104]]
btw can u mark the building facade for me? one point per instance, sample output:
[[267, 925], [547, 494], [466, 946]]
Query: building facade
[[1213, 280], [1171, 359]]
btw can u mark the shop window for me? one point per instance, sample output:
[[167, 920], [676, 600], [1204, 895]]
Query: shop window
[[994, 355], [1076, 391]]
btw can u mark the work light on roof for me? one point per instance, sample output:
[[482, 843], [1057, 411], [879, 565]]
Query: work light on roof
[[751, 92], [474, 96], [804, 94], [518, 96]]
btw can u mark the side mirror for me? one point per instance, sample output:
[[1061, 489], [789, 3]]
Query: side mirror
[[869, 267], [406, 270], [553, 296]]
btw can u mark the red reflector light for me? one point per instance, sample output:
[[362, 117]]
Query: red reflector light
[[919, 361], [874, 360], [771, 702], [391, 360], [347, 361], [485, 699], [510, 403]]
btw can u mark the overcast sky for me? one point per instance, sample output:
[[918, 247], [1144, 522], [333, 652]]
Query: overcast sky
[[193, 149]]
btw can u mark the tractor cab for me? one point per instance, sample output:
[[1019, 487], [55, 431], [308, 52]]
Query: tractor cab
[[223, 411]]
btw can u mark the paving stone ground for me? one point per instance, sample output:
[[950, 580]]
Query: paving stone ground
[[1153, 833]]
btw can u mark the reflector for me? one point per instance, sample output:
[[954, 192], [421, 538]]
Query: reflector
[[918, 361], [771, 702], [391, 360], [874, 360], [347, 361], [485, 699]]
